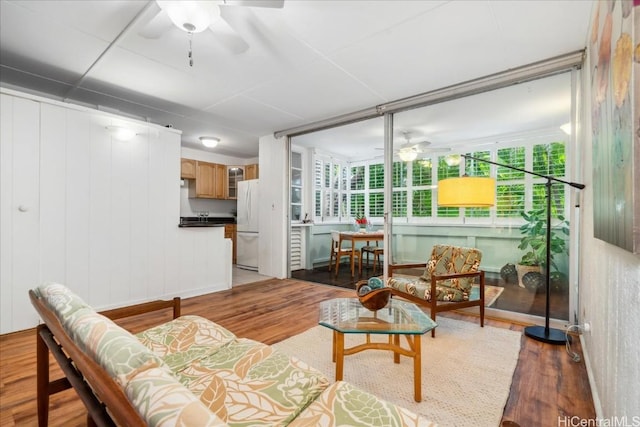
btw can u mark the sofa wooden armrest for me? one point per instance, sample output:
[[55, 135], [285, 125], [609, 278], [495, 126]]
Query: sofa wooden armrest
[[94, 385]]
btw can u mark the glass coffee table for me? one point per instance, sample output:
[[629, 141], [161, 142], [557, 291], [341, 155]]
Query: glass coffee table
[[348, 316]]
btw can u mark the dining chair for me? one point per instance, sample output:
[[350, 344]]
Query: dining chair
[[339, 250], [376, 251]]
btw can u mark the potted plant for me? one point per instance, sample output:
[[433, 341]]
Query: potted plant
[[534, 242]]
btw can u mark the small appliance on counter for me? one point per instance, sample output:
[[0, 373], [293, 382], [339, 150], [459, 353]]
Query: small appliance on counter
[[247, 231]]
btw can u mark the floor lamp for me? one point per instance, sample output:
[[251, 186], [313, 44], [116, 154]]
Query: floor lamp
[[480, 192]]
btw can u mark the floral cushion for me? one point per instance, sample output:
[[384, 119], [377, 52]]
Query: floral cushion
[[247, 383], [447, 259], [115, 349], [342, 404], [444, 260], [112, 347], [60, 299], [162, 401], [185, 339], [420, 288]]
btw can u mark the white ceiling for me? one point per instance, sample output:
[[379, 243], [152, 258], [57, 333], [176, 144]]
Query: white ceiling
[[307, 61]]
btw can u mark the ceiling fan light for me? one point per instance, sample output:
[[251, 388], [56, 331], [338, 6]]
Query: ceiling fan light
[[189, 16], [407, 155], [209, 141], [452, 160]]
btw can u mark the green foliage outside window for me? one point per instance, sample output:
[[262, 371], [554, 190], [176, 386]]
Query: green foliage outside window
[[357, 178], [357, 205], [549, 159], [376, 204], [510, 200], [376, 176], [513, 157], [421, 173], [399, 174], [421, 204], [399, 208]]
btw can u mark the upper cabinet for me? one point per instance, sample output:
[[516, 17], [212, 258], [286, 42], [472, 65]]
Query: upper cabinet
[[251, 171], [210, 181], [204, 184], [235, 174], [187, 169], [213, 180], [220, 181]]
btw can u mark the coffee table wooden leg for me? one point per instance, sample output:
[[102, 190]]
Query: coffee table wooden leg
[[396, 342], [339, 355], [333, 347], [417, 367]]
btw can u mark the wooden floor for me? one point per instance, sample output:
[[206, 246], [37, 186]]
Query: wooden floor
[[547, 384]]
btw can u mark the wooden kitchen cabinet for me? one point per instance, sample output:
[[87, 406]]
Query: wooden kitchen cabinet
[[187, 169], [230, 233], [210, 181], [220, 181], [235, 174], [251, 171]]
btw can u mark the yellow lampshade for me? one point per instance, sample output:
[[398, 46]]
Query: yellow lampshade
[[467, 192]]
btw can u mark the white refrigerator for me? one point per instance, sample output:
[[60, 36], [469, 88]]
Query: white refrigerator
[[247, 229]]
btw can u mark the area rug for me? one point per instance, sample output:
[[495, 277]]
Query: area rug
[[466, 370]]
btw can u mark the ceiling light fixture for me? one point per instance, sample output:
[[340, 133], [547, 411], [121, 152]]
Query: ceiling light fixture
[[209, 141], [190, 16], [452, 160], [121, 133], [407, 154]]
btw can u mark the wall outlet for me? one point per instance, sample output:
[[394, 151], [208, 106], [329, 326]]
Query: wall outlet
[[586, 327]]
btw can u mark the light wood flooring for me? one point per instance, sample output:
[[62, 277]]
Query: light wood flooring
[[547, 384]]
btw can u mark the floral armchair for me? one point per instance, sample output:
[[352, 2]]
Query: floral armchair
[[449, 275]]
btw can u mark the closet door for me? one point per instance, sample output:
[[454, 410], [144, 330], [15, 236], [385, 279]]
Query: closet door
[[19, 210]]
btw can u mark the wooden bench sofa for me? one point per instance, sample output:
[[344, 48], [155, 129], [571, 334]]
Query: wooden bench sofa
[[187, 372]]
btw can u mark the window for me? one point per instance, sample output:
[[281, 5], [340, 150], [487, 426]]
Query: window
[[510, 195], [447, 169], [358, 189], [421, 182], [549, 159], [330, 181]]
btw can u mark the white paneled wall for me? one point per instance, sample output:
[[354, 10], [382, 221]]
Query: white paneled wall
[[95, 213]]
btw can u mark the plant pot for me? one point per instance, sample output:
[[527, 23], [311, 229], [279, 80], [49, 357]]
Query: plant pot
[[524, 269]]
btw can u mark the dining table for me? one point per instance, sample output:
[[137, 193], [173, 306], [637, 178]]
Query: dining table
[[359, 236]]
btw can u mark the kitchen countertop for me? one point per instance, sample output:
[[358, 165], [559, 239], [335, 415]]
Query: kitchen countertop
[[194, 221]]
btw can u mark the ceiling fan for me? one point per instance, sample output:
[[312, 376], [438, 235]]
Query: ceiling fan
[[197, 16], [409, 151]]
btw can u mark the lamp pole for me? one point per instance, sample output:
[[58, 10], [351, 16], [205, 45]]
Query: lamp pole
[[539, 333]]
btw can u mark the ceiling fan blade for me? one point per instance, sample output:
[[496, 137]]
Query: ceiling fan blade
[[228, 36], [256, 3], [157, 25]]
